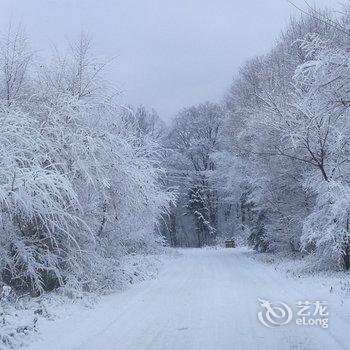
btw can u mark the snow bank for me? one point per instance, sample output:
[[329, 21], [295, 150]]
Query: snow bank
[[301, 267], [22, 317]]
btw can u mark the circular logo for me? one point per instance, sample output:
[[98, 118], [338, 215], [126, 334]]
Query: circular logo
[[274, 314]]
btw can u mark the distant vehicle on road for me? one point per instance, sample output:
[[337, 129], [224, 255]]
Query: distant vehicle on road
[[230, 243]]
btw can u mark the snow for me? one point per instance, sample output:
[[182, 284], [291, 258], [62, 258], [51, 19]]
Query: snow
[[204, 299]]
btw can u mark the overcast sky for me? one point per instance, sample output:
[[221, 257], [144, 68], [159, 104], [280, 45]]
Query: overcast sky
[[170, 53]]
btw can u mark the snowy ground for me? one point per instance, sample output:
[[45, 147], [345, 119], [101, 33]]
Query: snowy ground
[[205, 299]]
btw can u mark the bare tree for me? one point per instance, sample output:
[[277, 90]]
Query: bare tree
[[15, 57]]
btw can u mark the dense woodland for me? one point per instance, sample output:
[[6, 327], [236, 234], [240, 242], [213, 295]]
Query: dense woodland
[[86, 182], [270, 165]]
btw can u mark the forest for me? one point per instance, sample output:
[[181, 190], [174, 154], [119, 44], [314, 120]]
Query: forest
[[86, 182], [114, 219], [269, 166]]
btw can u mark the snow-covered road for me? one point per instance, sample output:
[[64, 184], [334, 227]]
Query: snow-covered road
[[203, 300]]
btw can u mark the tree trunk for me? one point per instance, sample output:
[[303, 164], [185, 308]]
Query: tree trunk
[[346, 250], [346, 260]]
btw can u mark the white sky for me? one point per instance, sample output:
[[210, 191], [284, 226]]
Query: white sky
[[170, 53]]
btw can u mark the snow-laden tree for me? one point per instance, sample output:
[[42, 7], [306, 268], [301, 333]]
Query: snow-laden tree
[[81, 186], [194, 139], [265, 114], [36, 230], [149, 123], [321, 138], [15, 59]]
